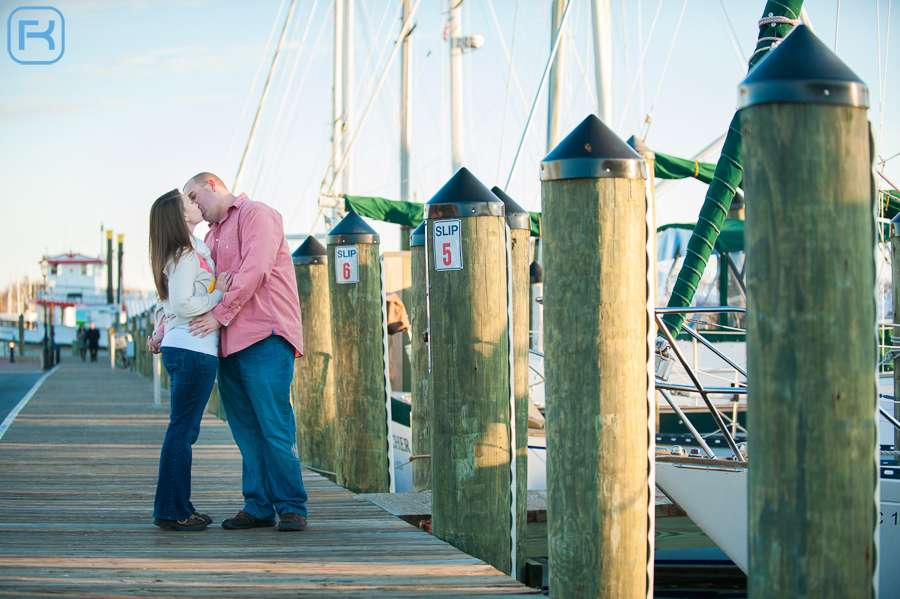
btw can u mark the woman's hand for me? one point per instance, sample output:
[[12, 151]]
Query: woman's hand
[[223, 282], [154, 342]]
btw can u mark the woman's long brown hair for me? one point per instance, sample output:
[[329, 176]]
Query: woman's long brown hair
[[169, 237]]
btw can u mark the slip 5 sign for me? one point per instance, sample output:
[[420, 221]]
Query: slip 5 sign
[[447, 245], [346, 263]]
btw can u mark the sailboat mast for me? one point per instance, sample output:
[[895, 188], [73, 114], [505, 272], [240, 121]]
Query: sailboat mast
[[347, 93], [601, 21], [338, 96], [456, 83], [405, 109], [554, 96]]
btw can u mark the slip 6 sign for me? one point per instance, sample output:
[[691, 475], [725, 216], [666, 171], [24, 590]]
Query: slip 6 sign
[[447, 245], [346, 263]]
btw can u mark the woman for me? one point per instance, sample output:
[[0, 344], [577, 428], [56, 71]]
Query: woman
[[185, 280], [81, 341]]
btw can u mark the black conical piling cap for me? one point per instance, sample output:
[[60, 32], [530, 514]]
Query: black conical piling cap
[[801, 69], [641, 148], [463, 195], [352, 229], [417, 237], [310, 252], [535, 273], [592, 151], [516, 216]]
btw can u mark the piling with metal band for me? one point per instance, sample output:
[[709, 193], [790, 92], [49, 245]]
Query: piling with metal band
[[357, 339], [810, 325], [470, 378], [895, 331], [420, 421], [536, 277], [313, 384], [596, 332], [519, 222]]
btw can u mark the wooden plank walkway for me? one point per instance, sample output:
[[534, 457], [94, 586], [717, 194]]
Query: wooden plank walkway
[[77, 479]]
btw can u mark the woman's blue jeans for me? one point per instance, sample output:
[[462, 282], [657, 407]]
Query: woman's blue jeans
[[255, 388], [191, 375]]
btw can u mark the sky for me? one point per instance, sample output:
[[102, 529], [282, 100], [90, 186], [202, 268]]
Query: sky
[[147, 93]]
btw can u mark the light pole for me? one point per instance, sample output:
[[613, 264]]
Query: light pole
[[45, 270], [54, 350]]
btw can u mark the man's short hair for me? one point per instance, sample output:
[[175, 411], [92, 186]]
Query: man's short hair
[[203, 178]]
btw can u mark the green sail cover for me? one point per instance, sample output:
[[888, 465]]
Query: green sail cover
[[731, 238], [727, 177], [409, 214], [672, 167]]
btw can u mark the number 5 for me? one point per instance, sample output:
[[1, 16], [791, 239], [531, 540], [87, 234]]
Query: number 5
[[448, 257]]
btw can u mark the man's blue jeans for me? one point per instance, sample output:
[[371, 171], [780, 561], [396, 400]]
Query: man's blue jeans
[[255, 386], [192, 375]]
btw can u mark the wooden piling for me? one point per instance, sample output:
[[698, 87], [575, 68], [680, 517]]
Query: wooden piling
[[21, 335], [810, 325], [313, 384], [357, 336], [895, 331], [596, 324], [420, 421], [519, 222], [470, 376], [536, 278]]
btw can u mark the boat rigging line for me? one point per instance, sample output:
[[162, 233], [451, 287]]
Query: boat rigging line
[[262, 60], [404, 31], [265, 93], [537, 96], [509, 77], [640, 66], [662, 76], [287, 93]]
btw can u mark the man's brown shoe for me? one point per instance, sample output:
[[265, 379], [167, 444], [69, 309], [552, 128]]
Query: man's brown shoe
[[290, 521], [244, 520]]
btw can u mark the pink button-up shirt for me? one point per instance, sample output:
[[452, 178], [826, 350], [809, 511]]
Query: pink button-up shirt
[[249, 242]]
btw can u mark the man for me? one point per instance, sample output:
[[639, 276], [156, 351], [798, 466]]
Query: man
[[260, 335], [93, 340]]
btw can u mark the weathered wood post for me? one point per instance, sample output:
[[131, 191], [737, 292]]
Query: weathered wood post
[[470, 384], [895, 331], [420, 420], [536, 278], [597, 341], [519, 222], [810, 324], [313, 384], [21, 335], [364, 456]]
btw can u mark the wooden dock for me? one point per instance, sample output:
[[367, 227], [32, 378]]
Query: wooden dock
[[77, 479]]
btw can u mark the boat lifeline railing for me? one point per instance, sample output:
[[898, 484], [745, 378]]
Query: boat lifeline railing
[[698, 386]]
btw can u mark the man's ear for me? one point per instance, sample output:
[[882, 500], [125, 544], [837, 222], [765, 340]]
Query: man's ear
[[212, 184]]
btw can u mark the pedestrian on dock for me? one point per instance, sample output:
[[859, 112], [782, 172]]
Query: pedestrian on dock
[[184, 273], [260, 336], [81, 342], [93, 340]]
